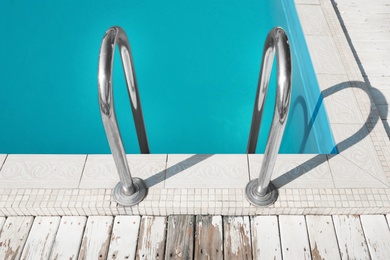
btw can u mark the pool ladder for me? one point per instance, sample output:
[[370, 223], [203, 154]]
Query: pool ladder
[[261, 192], [129, 191]]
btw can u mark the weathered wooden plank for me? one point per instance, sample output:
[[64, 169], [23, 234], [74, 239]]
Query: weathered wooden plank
[[151, 240], [40, 240], [322, 237], [265, 238], [372, 37], [237, 244], [380, 72], [383, 65], [208, 237], [180, 237], [96, 238], [373, 9], [349, 232], [367, 28], [68, 239], [124, 237], [293, 236], [380, 82], [377, 235], [380, 57], [363, 2], [13, 236], [367, 17], [371, 46]]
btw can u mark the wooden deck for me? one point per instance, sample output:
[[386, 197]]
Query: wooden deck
[[196, 237]]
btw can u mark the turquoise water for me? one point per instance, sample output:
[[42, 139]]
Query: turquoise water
[[197, 65]]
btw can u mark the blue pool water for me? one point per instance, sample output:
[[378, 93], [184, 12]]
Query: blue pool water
[[197, 65]]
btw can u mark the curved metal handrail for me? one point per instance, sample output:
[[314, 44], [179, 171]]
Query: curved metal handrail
[[129, 191], [260, 191]]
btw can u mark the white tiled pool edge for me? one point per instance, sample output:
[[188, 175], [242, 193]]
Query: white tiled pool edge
[[356, 181]]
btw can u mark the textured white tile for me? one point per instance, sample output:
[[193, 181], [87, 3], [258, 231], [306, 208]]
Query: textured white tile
[[348, 175], [354, 143], [313, 20], [380, 82], [42, 171], [100, 170], [207, 171], [296, 170], [324, 55], [340, 102]]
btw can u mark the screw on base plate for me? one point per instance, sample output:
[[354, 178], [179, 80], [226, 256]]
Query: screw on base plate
[[130, 200], [257, 200]]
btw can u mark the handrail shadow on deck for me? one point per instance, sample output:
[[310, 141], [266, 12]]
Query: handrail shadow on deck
[[368, 126], [298, 171], [360, 63], [187, 163]]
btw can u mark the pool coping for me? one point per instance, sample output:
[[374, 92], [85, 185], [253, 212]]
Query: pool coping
[[355, 181]]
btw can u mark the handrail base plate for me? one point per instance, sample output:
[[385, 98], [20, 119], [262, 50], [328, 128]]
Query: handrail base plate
[[260, 201], [130, 200]]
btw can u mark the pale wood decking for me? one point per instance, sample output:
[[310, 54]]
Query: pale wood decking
[[196, 237]]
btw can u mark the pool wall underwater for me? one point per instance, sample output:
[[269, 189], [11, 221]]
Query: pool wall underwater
[[197, 67]]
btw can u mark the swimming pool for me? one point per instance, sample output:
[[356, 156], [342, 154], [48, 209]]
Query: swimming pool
[[197, 66]]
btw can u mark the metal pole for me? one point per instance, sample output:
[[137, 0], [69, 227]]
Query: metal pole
[[261, 192], [129, 191]]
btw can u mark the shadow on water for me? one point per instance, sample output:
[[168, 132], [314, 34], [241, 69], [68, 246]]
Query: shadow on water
[[307, 128], [369, 124]]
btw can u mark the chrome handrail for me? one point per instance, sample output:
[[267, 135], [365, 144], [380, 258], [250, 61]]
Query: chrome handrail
[[129, 191], [261, 192]]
